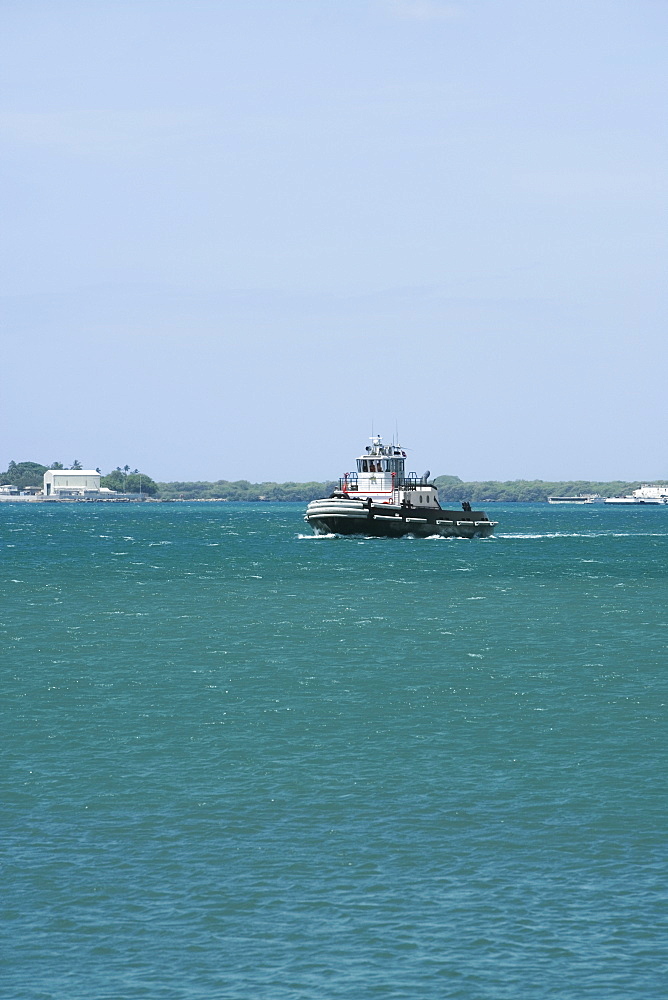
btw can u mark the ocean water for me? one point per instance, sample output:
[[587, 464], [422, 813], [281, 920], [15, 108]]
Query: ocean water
[[241, 762]]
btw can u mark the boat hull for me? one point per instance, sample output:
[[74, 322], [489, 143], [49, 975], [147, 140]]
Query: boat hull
[[636, 501], [570, 500], [353, 517]]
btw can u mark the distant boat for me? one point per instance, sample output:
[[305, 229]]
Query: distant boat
[[581, 498], [380, 499], [646, 494]]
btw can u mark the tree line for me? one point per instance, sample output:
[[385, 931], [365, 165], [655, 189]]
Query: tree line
[[31, 474], [122, 480], [242, 489], [451, 489]]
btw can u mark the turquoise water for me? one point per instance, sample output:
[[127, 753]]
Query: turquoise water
[[240, 763]]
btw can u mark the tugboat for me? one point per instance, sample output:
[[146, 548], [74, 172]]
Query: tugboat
[[379, 499]]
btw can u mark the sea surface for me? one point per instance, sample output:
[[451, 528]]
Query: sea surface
[[241, 762]]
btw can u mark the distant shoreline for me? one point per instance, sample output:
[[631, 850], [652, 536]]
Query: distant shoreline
[[451, 489]]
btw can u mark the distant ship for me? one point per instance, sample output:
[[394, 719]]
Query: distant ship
[[646, 494], [582, 498], [380, 499]]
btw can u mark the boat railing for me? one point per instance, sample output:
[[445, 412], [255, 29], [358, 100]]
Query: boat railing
[[349, 482], [411, 482]]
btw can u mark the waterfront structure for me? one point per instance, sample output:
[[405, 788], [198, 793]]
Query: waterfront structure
[[63, 484]]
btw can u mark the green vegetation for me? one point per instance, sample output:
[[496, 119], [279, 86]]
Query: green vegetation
[[26, 474], [23, 474], [244, 490], [124, 481], [452, 489]]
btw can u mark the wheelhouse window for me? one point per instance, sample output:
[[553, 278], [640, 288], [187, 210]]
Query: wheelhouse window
[[395, 465]]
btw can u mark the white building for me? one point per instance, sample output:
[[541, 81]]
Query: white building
[[71, 482]]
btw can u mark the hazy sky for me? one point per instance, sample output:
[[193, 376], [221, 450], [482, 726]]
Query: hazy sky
[[236, 233]]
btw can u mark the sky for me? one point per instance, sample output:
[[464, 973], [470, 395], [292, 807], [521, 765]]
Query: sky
[[240, 235]]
